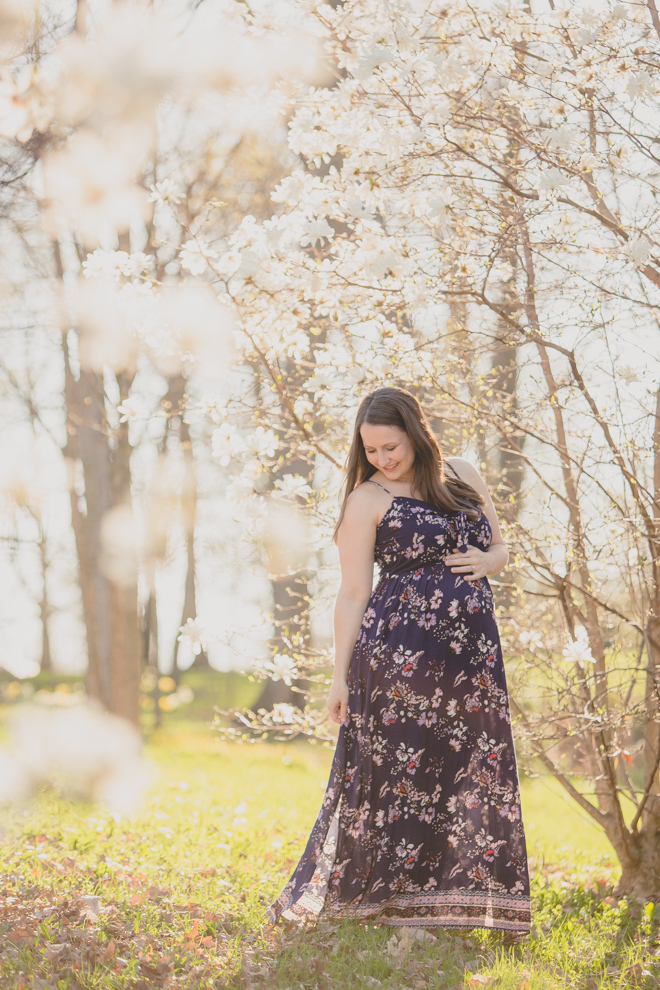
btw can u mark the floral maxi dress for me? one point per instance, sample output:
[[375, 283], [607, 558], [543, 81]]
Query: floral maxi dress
[[421, 823]]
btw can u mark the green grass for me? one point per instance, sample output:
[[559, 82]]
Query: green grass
[[183, 887]]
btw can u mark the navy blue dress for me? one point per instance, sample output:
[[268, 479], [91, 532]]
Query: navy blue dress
[[421, 823]]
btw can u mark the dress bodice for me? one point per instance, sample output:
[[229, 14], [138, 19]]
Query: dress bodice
[[413, 534]]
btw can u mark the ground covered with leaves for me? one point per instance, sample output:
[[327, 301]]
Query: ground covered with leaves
[[176, 895]]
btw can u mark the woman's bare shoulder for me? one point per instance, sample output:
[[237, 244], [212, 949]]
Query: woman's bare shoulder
[[367, 500]]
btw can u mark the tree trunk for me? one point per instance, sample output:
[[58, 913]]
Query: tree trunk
[[290, 609], [109, 602], [174, 403], [290, 620], [189, 517], [510, 466], [510, 469], [640, 872], [652, 687], [44, 604]]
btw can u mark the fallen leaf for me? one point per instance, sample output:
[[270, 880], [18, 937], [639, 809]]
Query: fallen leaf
[[479, 980], [91, 906], [422, 935], [56, 950]]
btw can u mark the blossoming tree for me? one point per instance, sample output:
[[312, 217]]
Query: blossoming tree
[[483, 177]]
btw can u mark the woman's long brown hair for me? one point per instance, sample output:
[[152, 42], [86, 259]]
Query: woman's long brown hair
[[397, 407]]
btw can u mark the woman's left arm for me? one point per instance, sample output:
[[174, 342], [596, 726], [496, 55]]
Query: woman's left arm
[[476, 563]]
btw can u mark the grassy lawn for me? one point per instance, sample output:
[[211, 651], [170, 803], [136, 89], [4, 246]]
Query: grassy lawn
[[176, 895]]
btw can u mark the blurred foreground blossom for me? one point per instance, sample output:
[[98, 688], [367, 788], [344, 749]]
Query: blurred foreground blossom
[[85, 752], [119, 538], [116, 77], [105, 338], [105, 93], [91, 183], [24, 106], [189, 325], [193, 634], [16, 17], [178, 325], [285, 537]]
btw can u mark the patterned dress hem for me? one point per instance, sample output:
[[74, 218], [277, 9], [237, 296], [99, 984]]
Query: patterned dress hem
[[451, 910]]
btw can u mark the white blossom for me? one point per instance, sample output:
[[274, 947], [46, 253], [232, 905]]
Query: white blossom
[[532, 639], [165, 191], [315, 231], [241, 486], [640, 84], [291, 189], [132, 409], [578, 650], [282, 668], [550, 180], [262, 443], [370, 61], [291, 486], [639, 250], [283, 712], [589, 161], [208, 407], [113, 264], [226, 443], [194, 256], [193, 634]]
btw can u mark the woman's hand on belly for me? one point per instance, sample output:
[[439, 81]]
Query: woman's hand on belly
[[473, 564]]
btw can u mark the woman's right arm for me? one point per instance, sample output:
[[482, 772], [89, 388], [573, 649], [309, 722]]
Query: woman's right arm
[[356, 540]]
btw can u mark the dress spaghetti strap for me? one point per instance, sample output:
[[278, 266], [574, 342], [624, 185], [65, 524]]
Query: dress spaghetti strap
[[379, 485]]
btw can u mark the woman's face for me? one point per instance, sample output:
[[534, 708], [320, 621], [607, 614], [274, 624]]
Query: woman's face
[[389, 450]]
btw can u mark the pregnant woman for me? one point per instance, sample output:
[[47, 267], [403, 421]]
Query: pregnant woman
[[420, 824]]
